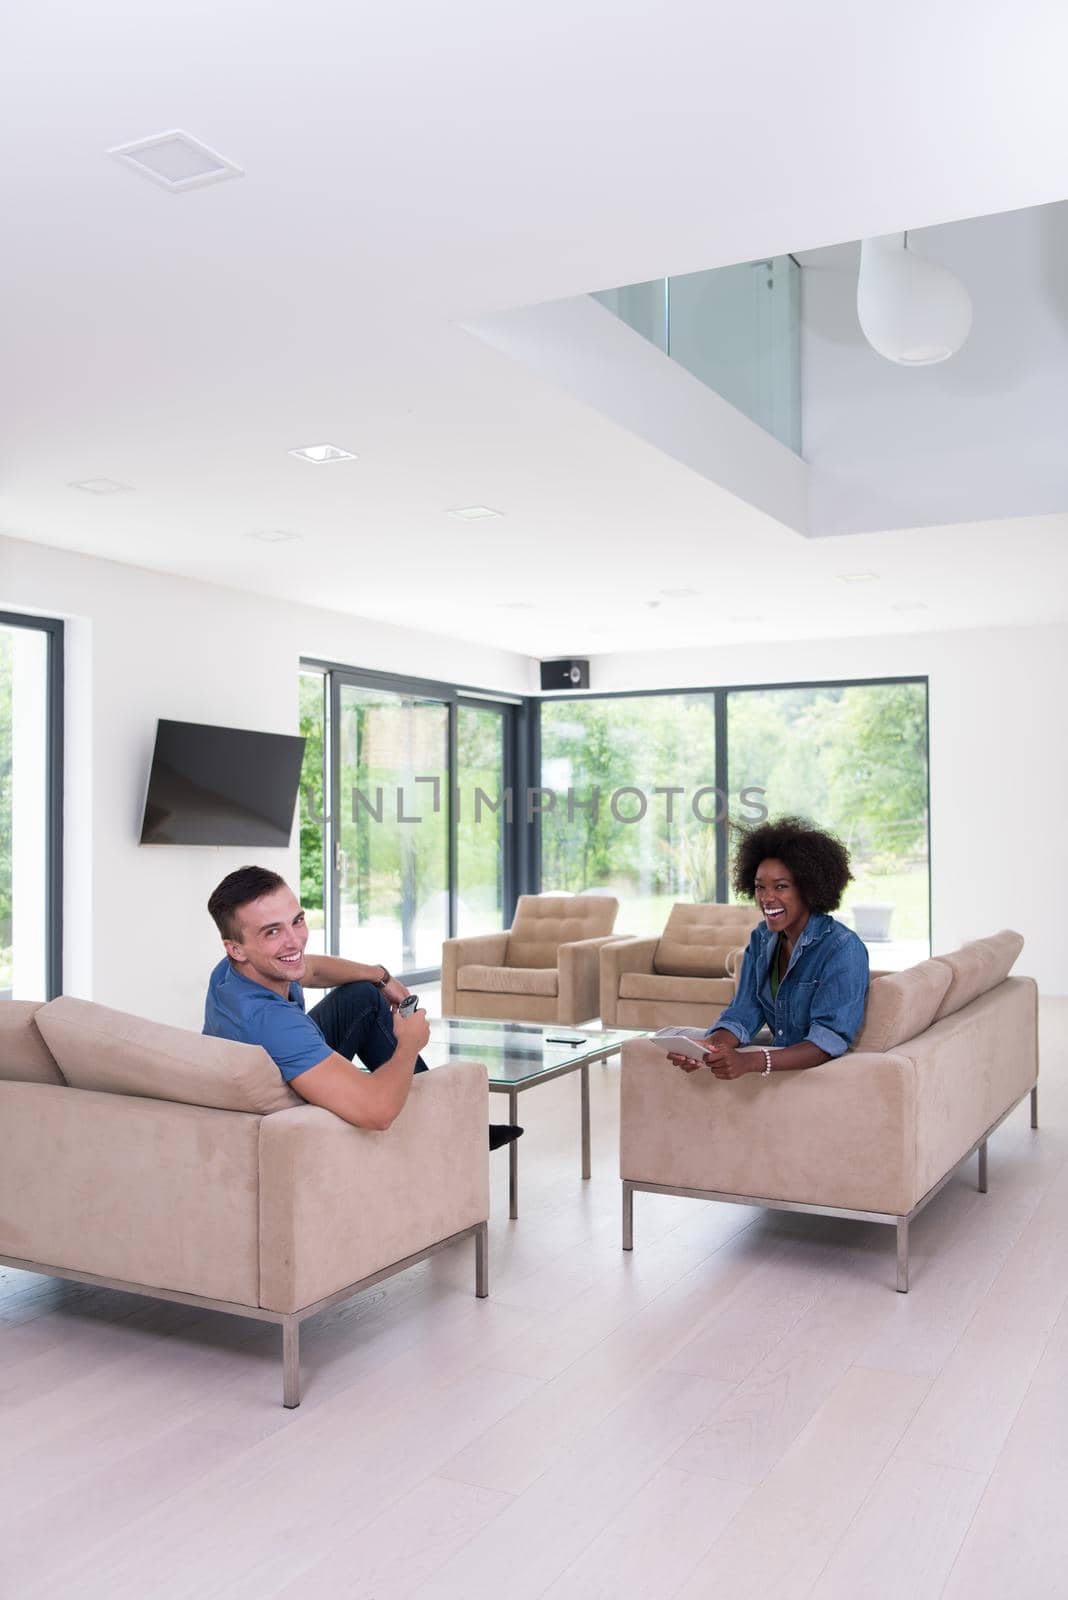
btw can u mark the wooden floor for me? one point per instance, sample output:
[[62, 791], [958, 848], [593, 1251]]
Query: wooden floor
[[743, 1408]]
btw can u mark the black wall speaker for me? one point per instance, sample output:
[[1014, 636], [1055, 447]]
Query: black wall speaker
[[565, 674]]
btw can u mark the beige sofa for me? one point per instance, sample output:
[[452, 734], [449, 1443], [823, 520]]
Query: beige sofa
[[543, 969], [686, 975], [148, 1158], [947, 1049]]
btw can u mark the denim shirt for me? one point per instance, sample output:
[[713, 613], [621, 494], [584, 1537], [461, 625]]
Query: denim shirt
[[821, 996]]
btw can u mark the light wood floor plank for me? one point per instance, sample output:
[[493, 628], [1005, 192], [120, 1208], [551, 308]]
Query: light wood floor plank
[[905, 1537], [783, 1536], [1018, 1542]]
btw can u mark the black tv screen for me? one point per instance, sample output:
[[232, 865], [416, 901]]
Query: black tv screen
[[213, 785]]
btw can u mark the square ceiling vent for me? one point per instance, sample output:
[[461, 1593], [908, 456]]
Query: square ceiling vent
[[176, 161]]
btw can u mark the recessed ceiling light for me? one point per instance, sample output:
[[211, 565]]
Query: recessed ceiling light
[[909, 605], [319, 453], [274, 535], [176, 161], [858, 577], [99, 486], [474, 513]]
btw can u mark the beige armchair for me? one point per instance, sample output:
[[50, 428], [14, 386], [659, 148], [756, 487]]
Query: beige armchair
[[543, 969], [686, 976]]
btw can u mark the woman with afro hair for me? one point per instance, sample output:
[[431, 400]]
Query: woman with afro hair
[[805, 975]]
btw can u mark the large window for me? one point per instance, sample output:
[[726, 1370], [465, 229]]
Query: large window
[[642, 791], [30, 807], [406, 820], [854, 758], [630, 803]]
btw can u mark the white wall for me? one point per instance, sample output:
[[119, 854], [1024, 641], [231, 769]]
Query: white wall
[[142, 645], [999, 763]]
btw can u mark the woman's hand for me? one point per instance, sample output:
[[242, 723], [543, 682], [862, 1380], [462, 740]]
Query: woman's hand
[[689, 1063], [731, 1063]]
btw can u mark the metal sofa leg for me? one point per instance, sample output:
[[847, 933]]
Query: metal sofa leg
[[628, 1214], [1034, 1106], [902, 1255], [482, 1261], [291, 1363], [982, 1167]]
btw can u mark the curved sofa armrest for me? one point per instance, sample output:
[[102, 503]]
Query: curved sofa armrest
[[487, 949], [338, 1203]]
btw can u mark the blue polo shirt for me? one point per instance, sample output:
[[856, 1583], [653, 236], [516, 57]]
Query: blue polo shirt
[[237, 1008]]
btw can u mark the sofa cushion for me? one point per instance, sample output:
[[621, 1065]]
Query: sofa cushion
[[98, 1048], [544, 922], [976, 967], [657, 986], [509, 980], [901, 1005], [24, 1056]]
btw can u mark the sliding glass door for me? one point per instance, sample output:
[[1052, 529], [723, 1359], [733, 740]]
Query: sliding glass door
[[392, 858], [30, 807], [406, 817], [483, 809]]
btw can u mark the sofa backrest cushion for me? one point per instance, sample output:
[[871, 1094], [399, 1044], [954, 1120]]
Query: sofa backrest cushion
[[976, 967], [24, 1056], [902, 1005], [697, 939], [543, 922], [111, 1051]]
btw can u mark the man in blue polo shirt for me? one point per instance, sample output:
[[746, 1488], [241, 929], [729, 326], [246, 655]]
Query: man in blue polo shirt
[[255, 995]]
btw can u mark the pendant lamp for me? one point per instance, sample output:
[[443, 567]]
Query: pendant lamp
[[911, 311]]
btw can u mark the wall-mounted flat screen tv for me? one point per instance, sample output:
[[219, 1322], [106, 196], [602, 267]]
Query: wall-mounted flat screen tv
[[216, 786]]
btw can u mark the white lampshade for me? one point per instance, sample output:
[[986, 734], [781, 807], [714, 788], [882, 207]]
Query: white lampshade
[[911, 311]]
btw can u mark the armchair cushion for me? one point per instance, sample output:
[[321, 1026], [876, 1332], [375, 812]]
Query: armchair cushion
[[692, 960], [544, 922], [509, 980], [665, 986], [98, 1048], [697, 939]]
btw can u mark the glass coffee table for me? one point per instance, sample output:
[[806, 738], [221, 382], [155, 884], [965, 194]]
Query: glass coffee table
[[519, 1056]]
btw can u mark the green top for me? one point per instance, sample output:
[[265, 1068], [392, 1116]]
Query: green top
[[774, 972]]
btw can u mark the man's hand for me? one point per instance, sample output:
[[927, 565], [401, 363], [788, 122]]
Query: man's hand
[[411, 1033], [394, 991]]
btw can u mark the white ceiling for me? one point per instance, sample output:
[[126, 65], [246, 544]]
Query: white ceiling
[[413, 166]]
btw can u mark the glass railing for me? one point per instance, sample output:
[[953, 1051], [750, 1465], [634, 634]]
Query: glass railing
[[737, 329]]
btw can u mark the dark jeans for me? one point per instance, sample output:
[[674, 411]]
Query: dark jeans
[[357, 1022]]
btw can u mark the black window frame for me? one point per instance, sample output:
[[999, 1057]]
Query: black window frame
[[517, 713], [53, 629], [720, 693]]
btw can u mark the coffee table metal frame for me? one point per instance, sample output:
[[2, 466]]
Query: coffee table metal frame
[[613, 1041]]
